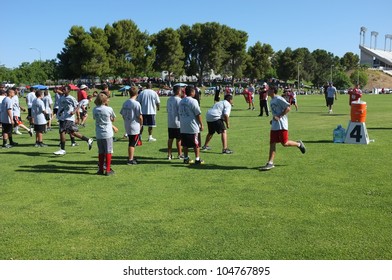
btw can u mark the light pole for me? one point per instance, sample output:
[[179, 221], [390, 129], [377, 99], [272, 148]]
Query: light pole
[[299, 62], [39, 52]]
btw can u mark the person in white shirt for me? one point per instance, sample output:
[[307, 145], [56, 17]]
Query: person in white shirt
[[217, 117], [149, 100], [29, 101], [38, 115]]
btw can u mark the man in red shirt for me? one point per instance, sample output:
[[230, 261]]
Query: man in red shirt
[[354, 94]]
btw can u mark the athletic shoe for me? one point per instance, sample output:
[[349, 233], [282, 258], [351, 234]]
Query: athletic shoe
[[169, 157], [36, 145], [17, 132], [110, 173], [100, 172], [302, 147], [6, 146], [14, 144], [31, 132], [188, 161], [74, 144], [200, 161], [60, 152], [205, 148], [227, 151], [90, 143], [42, 145], [180, 157], [151, 139], [132, 162], [266, 167]]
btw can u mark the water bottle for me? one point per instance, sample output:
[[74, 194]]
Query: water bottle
[[339, 134]]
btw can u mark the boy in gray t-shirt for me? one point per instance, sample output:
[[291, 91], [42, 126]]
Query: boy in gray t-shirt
[[133, 120]]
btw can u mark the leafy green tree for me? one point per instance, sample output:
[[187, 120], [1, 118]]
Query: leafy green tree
[[169, 54], [259, 63], [341, 80], [235, 52], [324, 66], [286, 66], [349, 61], [128, 48], [207, 51], [359, 76]]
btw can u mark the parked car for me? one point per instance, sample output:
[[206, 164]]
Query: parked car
[[209, 91]]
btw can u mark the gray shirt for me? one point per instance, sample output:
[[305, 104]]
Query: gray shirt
[[131, 111], [6, 105], [37, 111], [103, 116], [173, 118], [189, 109], [278, 105]]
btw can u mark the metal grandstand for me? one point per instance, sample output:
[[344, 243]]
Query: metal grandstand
[[373, 57]]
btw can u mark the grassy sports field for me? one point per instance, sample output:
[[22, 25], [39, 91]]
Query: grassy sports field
[[334, 202]]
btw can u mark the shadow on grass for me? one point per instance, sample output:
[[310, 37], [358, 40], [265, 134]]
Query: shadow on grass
[[51, 168], [318, 141], [209, 166], [379, 128]]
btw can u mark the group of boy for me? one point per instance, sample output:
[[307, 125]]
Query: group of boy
[[184, 123]]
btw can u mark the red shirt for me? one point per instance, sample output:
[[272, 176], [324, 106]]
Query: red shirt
[[82, 95]]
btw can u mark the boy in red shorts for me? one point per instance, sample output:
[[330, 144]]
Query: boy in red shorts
[[279, 127]]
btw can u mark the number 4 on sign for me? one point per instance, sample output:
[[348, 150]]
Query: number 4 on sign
[[357, 133]]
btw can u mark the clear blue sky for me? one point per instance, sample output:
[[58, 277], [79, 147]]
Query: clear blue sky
[[330, 25]]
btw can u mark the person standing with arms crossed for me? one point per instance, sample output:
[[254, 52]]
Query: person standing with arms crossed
[[279, 127]]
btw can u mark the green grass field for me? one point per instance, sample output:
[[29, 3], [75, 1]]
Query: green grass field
[[334, 202]]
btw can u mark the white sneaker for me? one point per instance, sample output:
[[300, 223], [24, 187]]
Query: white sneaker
[[90, 143], [17, 132], [151, 139], [60, 152]]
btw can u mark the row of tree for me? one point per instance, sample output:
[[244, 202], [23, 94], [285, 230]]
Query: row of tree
[[122, 50]]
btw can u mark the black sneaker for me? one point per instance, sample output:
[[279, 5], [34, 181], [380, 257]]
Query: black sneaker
[[100, 172], [200, 161], [31, 132], [6, 146], [227, 151], [132, 162], [205, 148], [42, 145], [302, 147], [187, 160], [110, 173], [14, 144]]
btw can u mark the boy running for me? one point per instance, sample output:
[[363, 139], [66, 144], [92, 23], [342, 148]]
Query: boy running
[[66, 116], [279, 127]]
